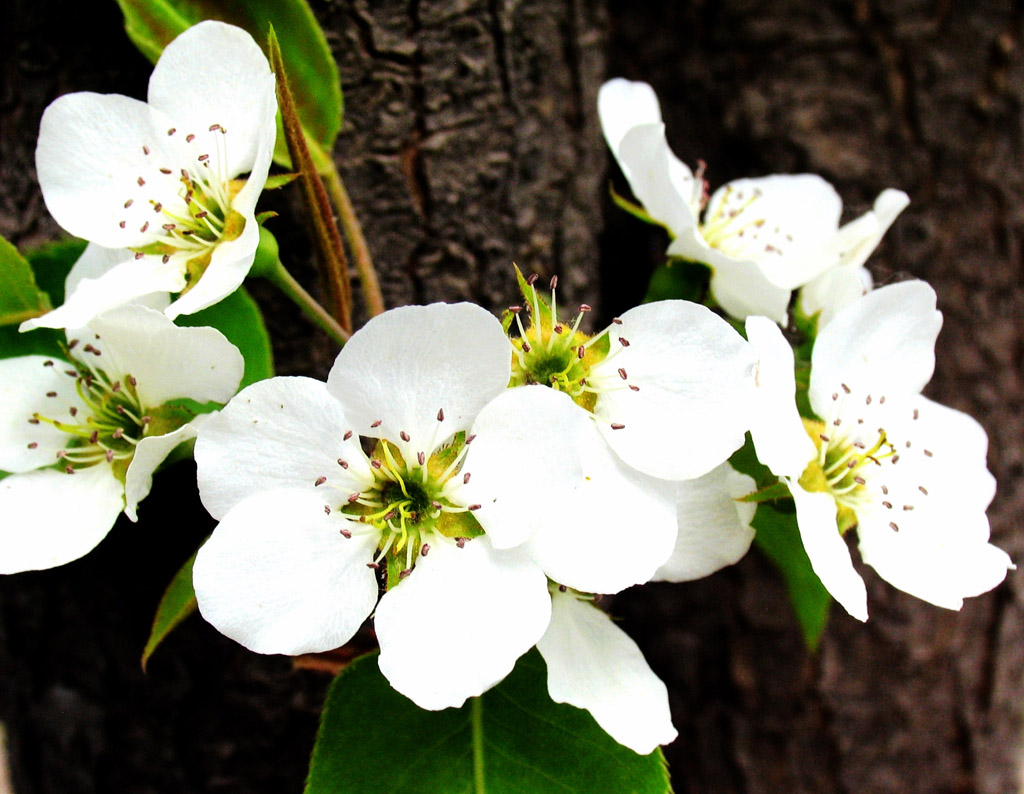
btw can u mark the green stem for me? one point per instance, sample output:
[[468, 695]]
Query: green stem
[[285, 282], [476, 711], [356, 241]]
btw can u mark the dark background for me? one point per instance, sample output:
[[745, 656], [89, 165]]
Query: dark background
[[471, 141]]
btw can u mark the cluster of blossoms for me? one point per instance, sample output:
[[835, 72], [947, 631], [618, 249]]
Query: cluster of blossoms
[[471, 484]]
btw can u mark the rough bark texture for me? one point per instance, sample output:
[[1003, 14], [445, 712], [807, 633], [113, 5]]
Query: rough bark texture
[[471, 141]]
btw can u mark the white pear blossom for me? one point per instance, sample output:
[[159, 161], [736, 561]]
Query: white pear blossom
[[165, 180], [594, 665], [840, 286], [668, 384], [81, 435], [909, 474], [761, 238], [414, 465]]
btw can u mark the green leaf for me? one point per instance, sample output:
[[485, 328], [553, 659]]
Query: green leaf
[[52, 262], [511, 740], [20, 298], [779, 537], [679, 279], [770, 493], [240, 320], [153, 24], [177, 603]]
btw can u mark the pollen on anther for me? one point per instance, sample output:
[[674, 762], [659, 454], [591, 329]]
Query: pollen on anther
[[377, 423], [353, 497], [440, 414], [375, 463], [623, 341], [165, 258], [474, 507], [460, 542], [584, 308], [143, 228], [172, 130], [51, 394], [166, 171], [347, 436], [33, 421], [845, 388], [616, 321], [141, 182], [894, 527], [554, 282], [465, 478], [581, 352], [320, 480], [190, 137], [404, 573], [343, 463], [618, 426], [424, 549], [203, 158], [634, 387], [824, 438], [403, 435], [72, 410], [860, 481], [421, 458], [622, 373], [531, 280]]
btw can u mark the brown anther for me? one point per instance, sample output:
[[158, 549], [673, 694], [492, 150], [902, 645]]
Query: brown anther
[[885, 489], [69, 469], [845, 388], [33, 421], [532, 279], [139, 254], [373, 565], [469, 439], [908, 507], [404, 573], [633, 387], [375, 463], [214, 127], [421, 458], [581, 352], [72, 410], [343, 463], [917, 413], [860, 481], [377, 423], [460, 542], [128, 203], [109, 456], [122, 224], [347, 436], [157, 206], [558, 328], [474, 507], [622, 373], [584, 308], [169, 227], [144, 227], [928, 453], [190, 137], [49, 362], [895, 528], [824, 438], [618, 426], [562, 588], [553, 283], [837, 422], [131, 380], [403, 435], [327, 511], [145, 149], [881, 400], [165, 258], [526, 346], [51, 394], [353, 498], [887, 505], [33, 444], [320, 481], [166, 171], [616, 321], [465, 478], [835, 396], [515, 309], [147, 419], [623, 341], [440, 414], [119, 433], [424, 549], [172, 130], [896, 458], [141, 182], [62, 453], [203, 158], [202, 214], [867, 400], [922, 489]]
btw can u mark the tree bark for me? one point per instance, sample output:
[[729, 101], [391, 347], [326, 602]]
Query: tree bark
[[470, 142]]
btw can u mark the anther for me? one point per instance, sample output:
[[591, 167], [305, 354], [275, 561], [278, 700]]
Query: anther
[[320, 481], [908, 507], [139, 254], [145, 149], [887, 505], [584, 308], [622, 372], [460, 542], [580, 352], [33, 421], [617, 426], [403, 574], [190, 137], [623, 341], [146, 420], [616, 321], [562, 588], [474, 507], [837, 422], [860, 481], [172, 130], [342, 463], [94, 437], [157, 207], [373, 565], [214, 127], [526, 346], [347, 436], [403, 435], [49, 362], [845, 388], [440, 414], [633, 387], [469, 439], [377, 423], [867, 400], [203, 158], [166, 171], [421, 458], [558, 328], [165, 258], [824, 438], [353, 498], [117, 434], [852, 464], [515, 309], [33, 444], [922, 489], [375, 463], [122, 224], [885, 489], [532, 279], [72, 410], [424, 549], [554, 282], [141, 182], [109, 456], [465, 478], [202, 214], [917, 413], [131, 380], [51, 394], [881, 400], [69, 469], [895, 528], [169, 227], [928, 453], [144, 227], [896, 458], [327, 511]]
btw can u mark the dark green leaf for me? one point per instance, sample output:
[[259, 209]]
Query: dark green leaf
[[20, 298], [678, 279], [239, 319], [52, 262], [511, 740], [153, 24], [779, 537], [178, 602]]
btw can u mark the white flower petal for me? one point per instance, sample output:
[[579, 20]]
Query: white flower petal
[[278, 433], [215, 73], [456, 625], [167, 361], [229, 265], [714, 528], [25, 383], [617, 529], [523, 463], [781, 442], [593, 665], [884, 342], [89, 157], [830, 559], [51, 518], [150, 452], [656, 177], [941, 567], [97, 260], [782, 222], [121, 284], [857, 239], [623, 105], [833, 291], [695, 379], [406, 366], [278, 576]]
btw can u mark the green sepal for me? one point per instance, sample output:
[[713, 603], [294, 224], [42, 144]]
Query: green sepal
[[770, 493], [176, 604], [778, 536], [267, 258], [20, 297], [276, 181], [510, 740], [536, 303], [632, 208]]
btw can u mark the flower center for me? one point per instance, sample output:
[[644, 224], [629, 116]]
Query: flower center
[[109, 426], [409, 506], [856, 460], [736, 228], [559, 355], [186, 210]]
